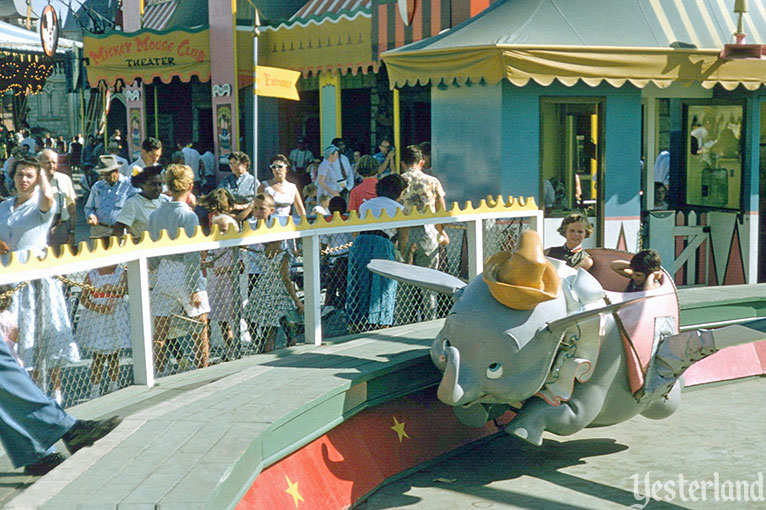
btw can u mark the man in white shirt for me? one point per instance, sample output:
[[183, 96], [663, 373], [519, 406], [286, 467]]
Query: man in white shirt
[[301, 156], [65, 221], [151, 150], [28, 141], [114, 148], [343, 165], [191, 159], [210, 165]]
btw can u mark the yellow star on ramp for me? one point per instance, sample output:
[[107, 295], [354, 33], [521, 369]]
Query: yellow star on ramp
[[292, 489], [399, 429]]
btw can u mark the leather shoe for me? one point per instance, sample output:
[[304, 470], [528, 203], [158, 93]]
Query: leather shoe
[[86, 432], [44, 465]]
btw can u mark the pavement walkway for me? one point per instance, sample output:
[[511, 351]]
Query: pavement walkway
[[715, 435]]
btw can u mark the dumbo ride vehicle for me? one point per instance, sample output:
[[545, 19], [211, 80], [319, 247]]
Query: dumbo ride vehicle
[[551, 343]]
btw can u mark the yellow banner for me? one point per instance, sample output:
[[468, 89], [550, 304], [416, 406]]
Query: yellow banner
[[147, 55], [275, 82]]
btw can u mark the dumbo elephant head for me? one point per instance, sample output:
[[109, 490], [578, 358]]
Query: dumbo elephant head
[[486, 352]]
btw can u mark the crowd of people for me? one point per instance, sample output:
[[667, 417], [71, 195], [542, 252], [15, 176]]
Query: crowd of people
[[47, 329]]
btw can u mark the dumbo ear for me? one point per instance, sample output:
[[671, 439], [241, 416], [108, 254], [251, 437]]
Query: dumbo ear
[[422, 277]]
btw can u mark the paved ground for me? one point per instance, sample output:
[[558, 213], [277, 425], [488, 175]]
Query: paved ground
[[718, 429]]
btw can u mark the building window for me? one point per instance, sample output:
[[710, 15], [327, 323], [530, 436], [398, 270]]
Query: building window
[[714, 155]]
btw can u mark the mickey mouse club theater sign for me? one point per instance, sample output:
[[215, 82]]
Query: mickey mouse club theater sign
[[49, 30], [147, 55]]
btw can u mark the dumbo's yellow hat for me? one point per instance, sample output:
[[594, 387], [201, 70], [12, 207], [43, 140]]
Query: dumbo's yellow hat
[[524, 278]]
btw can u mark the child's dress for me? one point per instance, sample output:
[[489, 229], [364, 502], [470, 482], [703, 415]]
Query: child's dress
[[105, 333], [269, 299], [221, 285]]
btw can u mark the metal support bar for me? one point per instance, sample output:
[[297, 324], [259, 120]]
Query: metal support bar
[[311, 290], [140, 322], [475, 248]]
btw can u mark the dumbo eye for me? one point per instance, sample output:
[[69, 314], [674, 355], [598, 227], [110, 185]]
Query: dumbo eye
[[495, 371]]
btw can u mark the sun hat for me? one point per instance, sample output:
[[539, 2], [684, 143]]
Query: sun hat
[[329, 151], [106, 164], [524, 278]]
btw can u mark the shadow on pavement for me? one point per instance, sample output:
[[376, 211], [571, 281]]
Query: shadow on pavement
[[504, 458]]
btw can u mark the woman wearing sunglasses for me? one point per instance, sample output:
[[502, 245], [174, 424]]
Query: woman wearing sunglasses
[[284, 192]]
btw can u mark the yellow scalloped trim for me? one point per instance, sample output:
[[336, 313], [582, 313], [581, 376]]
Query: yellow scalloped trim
[[488, 205]]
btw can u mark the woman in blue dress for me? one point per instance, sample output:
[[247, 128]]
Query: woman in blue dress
[[45, 333]]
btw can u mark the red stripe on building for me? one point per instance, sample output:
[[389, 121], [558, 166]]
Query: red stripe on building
[[436, 17], [382, 28], [417, 23], [477, 6]]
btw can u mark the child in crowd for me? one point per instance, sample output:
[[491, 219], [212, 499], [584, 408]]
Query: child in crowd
[[9, 327], [644, 271], [221, 269], [270, 287], [104, 326], [323, 207], [310, 196], [575, 228], [179, 286]]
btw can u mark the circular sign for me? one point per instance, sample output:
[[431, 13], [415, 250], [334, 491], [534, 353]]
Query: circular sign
[[49, 30], [407, 10]]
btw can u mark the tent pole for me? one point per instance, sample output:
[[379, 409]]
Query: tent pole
[[156, 124], [397, 131]]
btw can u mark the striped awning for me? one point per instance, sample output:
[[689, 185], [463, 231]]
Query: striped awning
[[157, 14], [616, 41], [324, 36], [319, 8]]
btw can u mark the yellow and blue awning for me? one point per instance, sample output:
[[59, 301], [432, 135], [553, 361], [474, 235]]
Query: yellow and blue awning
[[617, 41]]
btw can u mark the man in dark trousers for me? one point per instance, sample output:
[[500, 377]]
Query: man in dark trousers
[[30, 422]]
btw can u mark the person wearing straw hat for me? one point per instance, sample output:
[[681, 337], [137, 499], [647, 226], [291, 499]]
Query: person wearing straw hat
[[114, 149], [107, 197]]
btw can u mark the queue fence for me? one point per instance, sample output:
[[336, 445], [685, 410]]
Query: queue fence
[[117, 315]]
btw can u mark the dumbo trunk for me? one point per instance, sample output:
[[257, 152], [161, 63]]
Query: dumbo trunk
[[449, 390]]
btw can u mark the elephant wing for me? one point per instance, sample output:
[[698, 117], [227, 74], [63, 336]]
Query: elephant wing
[[422, 277]]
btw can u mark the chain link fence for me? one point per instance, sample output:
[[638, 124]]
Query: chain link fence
[[355, 300], [72, 332]]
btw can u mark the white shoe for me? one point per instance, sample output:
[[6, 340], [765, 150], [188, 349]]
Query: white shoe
[[58, 396], [95, 391], [114, 386]]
